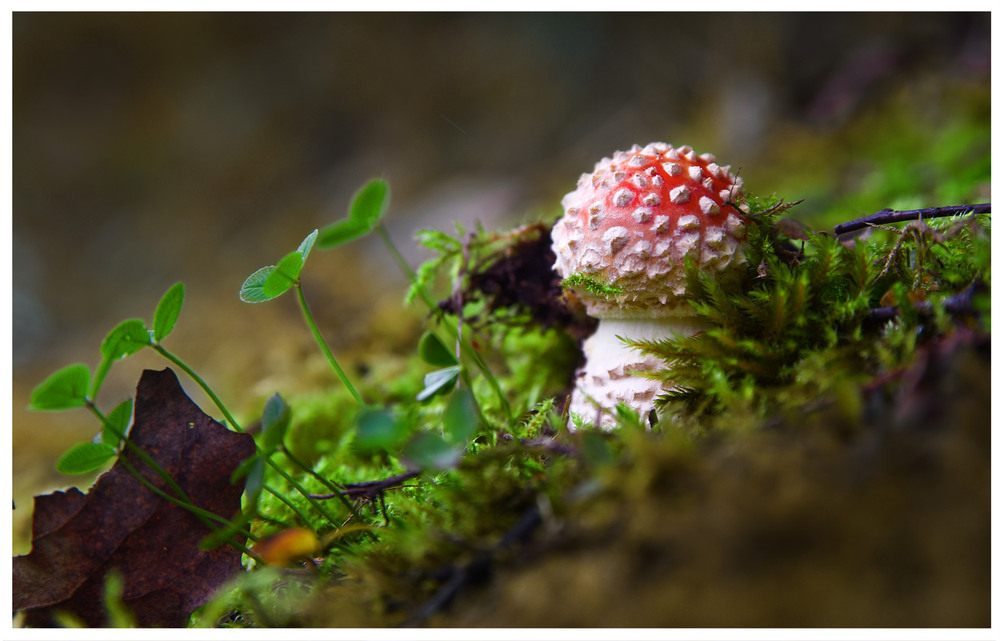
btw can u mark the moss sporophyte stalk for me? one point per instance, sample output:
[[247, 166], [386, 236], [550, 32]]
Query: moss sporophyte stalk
[[406, 491]]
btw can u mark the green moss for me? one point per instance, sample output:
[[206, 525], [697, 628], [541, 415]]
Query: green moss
[[808, 301], [592, 285]]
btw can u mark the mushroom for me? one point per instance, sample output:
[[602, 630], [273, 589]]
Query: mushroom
[[627, 231]]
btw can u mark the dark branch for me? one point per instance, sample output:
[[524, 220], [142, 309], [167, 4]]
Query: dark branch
[[887, 216], [369, 489]]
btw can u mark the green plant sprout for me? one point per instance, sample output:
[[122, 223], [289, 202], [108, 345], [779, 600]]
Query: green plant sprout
[[71, 387], [365, 212], [268, 283]]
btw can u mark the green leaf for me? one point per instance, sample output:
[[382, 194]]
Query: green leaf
[[434, 352], [461, 420], [85, 457], [439, 381], [127, 338], [379, 430], [64, 389], [429, 450], [167, 311], [341, 233], [307, 244], [252, 290], [367, 207], [254, 488], [274, 422], [118, 419], [269, 282], [628, 416], [284, 275], [369, 203]]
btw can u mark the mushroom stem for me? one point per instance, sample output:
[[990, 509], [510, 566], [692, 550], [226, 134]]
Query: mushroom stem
[[612, 373]]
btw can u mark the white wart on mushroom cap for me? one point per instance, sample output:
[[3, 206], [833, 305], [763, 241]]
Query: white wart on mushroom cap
[[631, 223]]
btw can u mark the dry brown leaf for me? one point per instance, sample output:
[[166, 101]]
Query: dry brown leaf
[[121, 525]]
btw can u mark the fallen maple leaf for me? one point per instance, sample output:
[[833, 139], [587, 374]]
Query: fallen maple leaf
[[121, 525]]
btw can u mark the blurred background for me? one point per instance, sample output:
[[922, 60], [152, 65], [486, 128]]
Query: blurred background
[[155, 148]]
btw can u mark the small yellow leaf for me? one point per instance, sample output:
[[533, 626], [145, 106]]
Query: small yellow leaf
[[286, 546]]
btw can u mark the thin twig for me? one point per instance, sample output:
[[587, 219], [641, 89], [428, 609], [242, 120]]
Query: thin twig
[[886, 216], [369, 489]]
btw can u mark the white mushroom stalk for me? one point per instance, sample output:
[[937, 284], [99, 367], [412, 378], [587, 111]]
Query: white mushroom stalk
[[627, 231]]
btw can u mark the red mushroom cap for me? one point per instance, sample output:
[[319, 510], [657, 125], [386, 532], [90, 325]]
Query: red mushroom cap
[[632, 222]]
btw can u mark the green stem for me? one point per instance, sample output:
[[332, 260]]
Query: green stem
[[326, 350], [201, 383], [301, 490], [290, 505], [403, 265], [468, 350], [278, 523], [333, 487], [302, 464]]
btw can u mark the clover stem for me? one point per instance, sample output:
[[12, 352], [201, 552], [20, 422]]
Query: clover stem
[[326, 350], [201, 383], [334, 488], [301, 490], [403, 265], [281, 497], [302, 464]]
